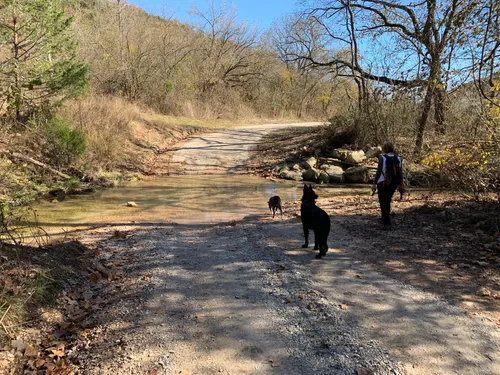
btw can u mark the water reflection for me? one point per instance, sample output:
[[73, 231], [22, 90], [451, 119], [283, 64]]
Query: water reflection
[[181, 199]]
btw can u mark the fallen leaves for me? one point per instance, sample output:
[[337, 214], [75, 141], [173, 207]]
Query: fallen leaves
[[484, 292], [50, 361]]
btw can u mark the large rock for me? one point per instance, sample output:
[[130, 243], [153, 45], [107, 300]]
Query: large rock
[[291, 175], [323, 177], [334, 172], [332, 161], [309, 163], [355, 157], [357, 174], [341, 153], [310, 174], [373, 152]]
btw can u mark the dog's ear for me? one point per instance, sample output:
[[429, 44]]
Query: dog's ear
[[305, 188]]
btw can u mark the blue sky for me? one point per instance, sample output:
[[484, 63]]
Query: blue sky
[[258, 12]]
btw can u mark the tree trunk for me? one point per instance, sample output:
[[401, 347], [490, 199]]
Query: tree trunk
[[17, 79], [439, 98], [422, 122]]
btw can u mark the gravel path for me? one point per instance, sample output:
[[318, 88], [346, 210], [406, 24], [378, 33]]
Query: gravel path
[[243, 298], [223, 152]]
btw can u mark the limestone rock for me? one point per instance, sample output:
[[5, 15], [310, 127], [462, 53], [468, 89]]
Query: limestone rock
[[309, 163], [373, 152], [340, 153], [291, 175], [355, 157], [323, 176], [357, 174], [335, 173], [310, 174]]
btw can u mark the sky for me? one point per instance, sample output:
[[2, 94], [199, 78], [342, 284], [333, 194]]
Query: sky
[[260, 13]]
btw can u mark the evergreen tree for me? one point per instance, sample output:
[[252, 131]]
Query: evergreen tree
[[38, 66]]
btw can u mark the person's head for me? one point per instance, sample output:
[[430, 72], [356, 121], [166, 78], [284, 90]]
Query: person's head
[[387, 148]]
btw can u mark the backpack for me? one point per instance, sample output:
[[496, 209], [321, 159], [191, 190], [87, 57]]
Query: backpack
[[392, 172]]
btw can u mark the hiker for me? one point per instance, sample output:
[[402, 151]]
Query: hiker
[[389, 177]]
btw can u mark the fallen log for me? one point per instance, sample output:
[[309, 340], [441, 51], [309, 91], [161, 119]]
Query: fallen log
[[17, 155]]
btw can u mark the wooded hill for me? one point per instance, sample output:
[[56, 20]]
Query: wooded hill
[[217, 68]]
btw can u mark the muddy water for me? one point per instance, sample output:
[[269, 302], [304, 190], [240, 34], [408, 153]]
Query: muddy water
[[181, 199]]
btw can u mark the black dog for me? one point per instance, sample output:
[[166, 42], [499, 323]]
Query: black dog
[[316, 219], [275, 205]]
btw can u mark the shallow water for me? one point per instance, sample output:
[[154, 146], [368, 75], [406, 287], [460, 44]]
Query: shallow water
[[180, 199]]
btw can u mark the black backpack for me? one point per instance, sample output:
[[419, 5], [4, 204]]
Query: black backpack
[[392, 172]]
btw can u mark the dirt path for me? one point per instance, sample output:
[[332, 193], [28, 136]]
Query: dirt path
[[243, 298], [224, 151]]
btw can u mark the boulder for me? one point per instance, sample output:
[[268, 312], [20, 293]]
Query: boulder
[[310, 174], [332, 161], [355, 157], [309, 163], [357, 174], [323, 177], [340, 153], [291, 175], [373, 152], [334, 172]]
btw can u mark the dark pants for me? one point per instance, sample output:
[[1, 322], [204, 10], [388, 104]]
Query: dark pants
[[385, 193]]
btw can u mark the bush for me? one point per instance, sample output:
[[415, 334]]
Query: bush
[[64, 143], [343, 130], [473, 167]]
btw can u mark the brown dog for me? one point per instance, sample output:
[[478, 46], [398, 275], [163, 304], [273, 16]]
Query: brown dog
[[275, 205]]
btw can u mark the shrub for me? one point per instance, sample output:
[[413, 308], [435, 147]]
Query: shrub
[[64, 143], [473, 167]]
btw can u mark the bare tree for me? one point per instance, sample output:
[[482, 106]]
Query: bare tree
[[306, 82], [395, 43], [226, 49]]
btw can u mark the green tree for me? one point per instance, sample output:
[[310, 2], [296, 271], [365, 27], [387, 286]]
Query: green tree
[[38, 65]]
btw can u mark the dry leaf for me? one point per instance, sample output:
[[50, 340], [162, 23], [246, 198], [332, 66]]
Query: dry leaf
[[484, 292], [276, 363], [58, 351], [31, 352]]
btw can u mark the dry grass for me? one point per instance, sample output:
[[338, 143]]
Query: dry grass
[[121, 134], [106, 124]]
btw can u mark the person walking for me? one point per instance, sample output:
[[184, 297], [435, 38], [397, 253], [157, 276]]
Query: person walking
[[389, 177]]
